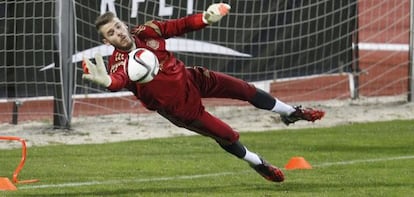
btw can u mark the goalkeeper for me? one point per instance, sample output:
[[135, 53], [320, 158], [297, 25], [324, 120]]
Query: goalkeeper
[[176, 91]]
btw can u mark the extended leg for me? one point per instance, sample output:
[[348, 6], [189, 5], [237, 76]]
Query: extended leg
[[219, 85], [228, 139]]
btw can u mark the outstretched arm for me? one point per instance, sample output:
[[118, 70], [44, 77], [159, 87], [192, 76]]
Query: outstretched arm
[[177, 27]]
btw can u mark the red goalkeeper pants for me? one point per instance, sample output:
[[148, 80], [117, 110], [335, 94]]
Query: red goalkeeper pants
[[203, 83]]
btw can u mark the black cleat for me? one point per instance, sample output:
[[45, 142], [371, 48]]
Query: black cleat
[[308, 114], [269, 172]]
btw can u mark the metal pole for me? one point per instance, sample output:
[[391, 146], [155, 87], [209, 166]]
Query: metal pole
[[65, 31], [355, 60], [411, 65], [15, 114]]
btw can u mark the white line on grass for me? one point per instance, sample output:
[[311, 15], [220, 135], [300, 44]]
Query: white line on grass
[[363, 161], [77, 184]]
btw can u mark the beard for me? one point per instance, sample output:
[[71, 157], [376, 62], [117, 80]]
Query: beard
[[126, 44]]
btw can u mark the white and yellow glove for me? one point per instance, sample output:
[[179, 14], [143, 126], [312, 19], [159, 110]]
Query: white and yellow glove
[[215, 12], [96, 73]]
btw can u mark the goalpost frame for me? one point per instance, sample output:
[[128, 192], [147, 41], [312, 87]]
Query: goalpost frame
[[356, 71], [63, 102], [411, 55]]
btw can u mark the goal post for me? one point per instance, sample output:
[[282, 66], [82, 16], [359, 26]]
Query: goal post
[[410, 94], [65, 40]]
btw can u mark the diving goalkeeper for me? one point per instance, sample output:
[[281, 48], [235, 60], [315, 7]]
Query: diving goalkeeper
[[176, 91]]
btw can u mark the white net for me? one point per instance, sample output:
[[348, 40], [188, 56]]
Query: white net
[[258, 41], [384, 28], [297, 50], [27, 33]]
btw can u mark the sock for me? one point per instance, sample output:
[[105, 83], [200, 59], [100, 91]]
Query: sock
[[252, 158], [282, 108], [237, 149], [263, 100]]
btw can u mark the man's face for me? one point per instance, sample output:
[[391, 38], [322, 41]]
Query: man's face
[[116, 34]]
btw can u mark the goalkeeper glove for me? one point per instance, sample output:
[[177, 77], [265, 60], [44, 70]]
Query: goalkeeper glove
[[215, 12], [96, 73]]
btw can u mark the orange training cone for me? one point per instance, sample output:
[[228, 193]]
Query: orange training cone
[[297, 163], [6, 184]]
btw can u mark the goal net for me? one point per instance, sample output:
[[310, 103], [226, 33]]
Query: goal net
[[27, 45], [295, 49]]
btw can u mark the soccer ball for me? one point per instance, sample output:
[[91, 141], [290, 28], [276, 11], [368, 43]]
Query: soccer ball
[[143, 65]]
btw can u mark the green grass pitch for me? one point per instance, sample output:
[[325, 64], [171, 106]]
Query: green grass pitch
[[372, 159]]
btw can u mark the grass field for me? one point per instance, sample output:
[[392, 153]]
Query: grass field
[[373, 159]]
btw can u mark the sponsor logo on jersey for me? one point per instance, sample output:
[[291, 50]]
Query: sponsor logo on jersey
[[120, 60], [119, 57]]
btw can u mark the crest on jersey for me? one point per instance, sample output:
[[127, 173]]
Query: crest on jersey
[[154, 44]]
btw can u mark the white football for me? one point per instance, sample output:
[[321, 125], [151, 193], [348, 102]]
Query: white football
[[143, 65]]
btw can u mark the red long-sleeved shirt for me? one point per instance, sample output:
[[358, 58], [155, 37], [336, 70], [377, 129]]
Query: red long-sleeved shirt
[[169, 88]]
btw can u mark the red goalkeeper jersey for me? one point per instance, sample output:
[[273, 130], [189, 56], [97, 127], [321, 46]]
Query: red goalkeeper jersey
[[170, 87]]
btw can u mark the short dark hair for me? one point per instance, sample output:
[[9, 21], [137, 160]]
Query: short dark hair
[[103, 19]]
